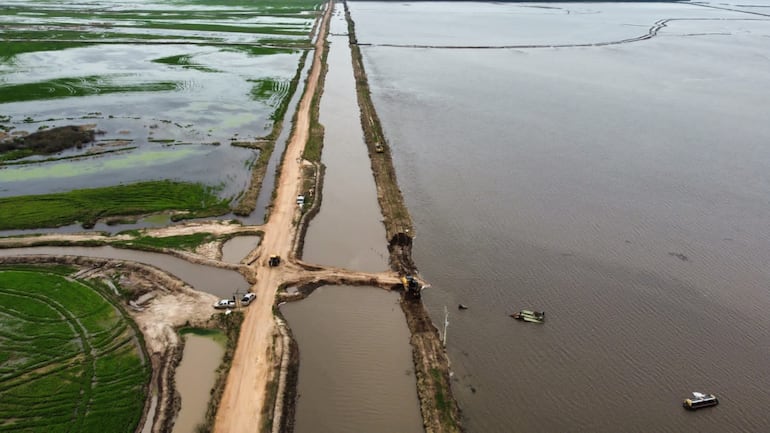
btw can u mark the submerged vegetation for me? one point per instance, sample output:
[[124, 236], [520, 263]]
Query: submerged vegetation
[[70, 359], [89, 205], [77, 86], [193, 52]]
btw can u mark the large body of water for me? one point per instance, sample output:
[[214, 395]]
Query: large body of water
[[621, 188]]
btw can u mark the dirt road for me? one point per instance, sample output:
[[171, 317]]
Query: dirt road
[[240, 409]]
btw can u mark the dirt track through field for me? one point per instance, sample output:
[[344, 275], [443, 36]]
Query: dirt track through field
[[240, 409]]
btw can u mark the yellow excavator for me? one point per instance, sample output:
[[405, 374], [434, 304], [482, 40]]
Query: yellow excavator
[[411, 285]]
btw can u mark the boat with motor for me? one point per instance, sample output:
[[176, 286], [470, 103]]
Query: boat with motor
[[530, 316], [700, 400]]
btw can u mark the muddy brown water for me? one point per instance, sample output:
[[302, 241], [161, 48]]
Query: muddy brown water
[[621, 189], [194, 378], [219, 282], [356, 372], [236, 249], [348, 231]]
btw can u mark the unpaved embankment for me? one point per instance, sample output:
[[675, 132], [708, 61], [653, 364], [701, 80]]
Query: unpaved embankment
[[439, 408]]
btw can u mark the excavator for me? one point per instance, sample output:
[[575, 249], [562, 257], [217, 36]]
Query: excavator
[[411, 286]]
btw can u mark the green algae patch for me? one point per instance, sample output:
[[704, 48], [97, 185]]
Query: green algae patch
[[89, 205], [70, 357], [63, 169]]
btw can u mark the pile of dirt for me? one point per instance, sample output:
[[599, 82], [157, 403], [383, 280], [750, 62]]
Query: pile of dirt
[[49, 141]]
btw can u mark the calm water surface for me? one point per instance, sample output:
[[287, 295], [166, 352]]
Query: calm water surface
[[219, 282], [194, 379], [622, 189], [236, 249], [348, 231], [356, 372]]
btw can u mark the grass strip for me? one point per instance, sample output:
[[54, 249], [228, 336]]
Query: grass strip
[[89, 205], [75, 86], [182, 242]]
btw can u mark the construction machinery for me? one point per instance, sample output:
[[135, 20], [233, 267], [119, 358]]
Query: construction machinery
[[412, 287], [274, 261]]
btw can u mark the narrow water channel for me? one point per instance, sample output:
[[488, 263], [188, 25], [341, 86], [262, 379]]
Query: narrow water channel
[[348, 231], [194, 379], [356, 371], [264, 199], [219, 282]]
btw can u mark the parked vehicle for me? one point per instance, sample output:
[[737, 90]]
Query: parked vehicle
[[248, 298], [224, 304]]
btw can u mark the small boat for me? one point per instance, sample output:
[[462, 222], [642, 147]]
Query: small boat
[[700, 400], [462, 307], [530, 316]]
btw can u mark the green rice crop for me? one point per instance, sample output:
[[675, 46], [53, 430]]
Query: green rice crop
[[88, 205], [69, 359], [182, 242], [76, 86], [185, 61]]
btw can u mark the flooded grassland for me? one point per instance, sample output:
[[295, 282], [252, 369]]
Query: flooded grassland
[[169, 90], [189, 95]]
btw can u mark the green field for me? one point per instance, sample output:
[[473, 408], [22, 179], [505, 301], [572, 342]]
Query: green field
[[181, 242], [69, 359], [88, 205]]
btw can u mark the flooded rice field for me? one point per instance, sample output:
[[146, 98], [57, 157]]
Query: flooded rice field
[[268, 183], [149, 162], [356, 370], [168, 89], [194, 378], [621, 188], [220, 282], [348, 231]]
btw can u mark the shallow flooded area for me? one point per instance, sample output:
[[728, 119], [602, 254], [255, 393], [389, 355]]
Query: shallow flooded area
[[356, 371], [167, 93], [236, 249], [619, 188], [194, 378], [348, 231], [220, 282]]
